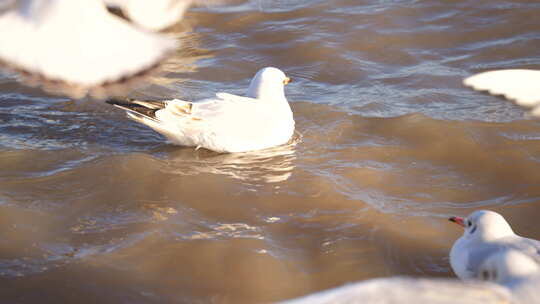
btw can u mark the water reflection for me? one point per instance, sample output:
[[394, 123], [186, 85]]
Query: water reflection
[[272, 165], [391, 145]]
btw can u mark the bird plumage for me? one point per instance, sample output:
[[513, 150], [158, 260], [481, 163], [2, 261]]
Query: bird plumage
[[225, 123], [518, 85], [78, 48], [485, 233]]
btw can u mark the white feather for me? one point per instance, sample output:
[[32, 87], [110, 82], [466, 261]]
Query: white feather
[[154, 15], [405, 290], [520, 86], [77, 42], [230, 123]]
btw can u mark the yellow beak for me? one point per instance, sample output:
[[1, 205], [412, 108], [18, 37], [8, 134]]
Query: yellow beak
[[286, 80]]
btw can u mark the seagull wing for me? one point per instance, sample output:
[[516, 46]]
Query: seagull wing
[[480, 253], [77, 47], [520, 86], [529, 247], [153, 15], [225, 107]]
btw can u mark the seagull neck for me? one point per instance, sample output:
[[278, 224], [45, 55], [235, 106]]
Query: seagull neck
[[500, 232], [266, 91], [274, 97]]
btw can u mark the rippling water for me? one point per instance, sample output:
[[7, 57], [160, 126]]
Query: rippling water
[[94, 207]]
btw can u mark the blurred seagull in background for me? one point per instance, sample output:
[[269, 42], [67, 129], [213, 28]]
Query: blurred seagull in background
[[520, 86], [225, 123], [78, 48]]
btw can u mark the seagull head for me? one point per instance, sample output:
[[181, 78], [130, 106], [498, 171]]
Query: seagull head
[[507, 267], [268, 84], [483, 225]]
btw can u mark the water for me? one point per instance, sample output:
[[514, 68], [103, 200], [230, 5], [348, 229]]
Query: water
[[94, 207]]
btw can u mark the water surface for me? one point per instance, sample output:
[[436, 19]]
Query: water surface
[[94, 207]]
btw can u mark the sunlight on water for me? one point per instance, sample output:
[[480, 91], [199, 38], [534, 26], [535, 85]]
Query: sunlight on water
[[97, 208]]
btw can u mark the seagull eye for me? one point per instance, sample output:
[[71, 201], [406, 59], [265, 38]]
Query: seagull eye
[[469, 223]]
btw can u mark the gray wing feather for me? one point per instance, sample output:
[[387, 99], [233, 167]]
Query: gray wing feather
[[479, 255], [526, 246]]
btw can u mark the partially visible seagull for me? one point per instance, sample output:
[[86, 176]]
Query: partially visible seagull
[[512, 278], [520, 86], [486, 233], [78, 48], [406, 290], [225, 123], [154, 15]]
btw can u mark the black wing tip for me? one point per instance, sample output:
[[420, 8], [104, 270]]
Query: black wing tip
[[120, 101], [129, 105]]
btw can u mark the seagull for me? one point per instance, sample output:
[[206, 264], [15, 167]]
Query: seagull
[[155, 15], [78, 48], [407, 290], [507, 276], [516, 271], [226, 123], [519, 85], [486, 232]]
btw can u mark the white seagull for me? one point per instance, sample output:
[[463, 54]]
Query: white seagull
[[512, 278], [405, 290], [486, 233], [225, 123], [78, 48], [520, 86]]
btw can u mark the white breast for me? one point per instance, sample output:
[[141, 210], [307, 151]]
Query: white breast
[[459, 259]]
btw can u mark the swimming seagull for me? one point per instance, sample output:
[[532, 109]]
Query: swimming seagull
[[225, 123], [520, 86], [486, 232], [78, 48]]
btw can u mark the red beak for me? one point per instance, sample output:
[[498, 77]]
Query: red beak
[[458, 220]]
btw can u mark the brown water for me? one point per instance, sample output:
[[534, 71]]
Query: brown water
[[94, 207]]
